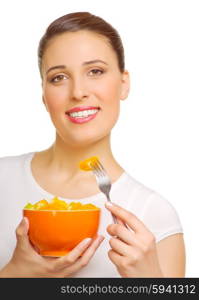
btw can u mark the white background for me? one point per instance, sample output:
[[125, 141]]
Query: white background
[[156, 138]]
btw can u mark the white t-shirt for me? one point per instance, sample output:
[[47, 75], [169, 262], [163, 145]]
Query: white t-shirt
[[18, 186]]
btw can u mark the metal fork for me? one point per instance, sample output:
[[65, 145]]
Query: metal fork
[[103, 181]]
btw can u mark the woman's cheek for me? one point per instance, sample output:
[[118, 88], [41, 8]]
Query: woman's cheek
[[55, 101], [110, 98], [110, 112]]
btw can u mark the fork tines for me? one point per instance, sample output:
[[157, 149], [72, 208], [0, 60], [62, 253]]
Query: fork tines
[[98, 168]]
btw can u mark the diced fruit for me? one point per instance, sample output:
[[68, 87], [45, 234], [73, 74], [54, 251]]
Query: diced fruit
[[57, 204], [29, 206], [89, 206], [86, 165], [42, 204], [75, 206]]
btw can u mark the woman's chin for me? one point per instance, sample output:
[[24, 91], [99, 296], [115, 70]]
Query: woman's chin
[[83, 141]]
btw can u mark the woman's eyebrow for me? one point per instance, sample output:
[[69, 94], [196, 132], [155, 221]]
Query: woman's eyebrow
[[85, 63], [55, 67], [94, 61]]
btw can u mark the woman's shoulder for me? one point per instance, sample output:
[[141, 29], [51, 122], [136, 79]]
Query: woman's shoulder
[[7, 162], [161, 217], [131, 192], [138, 192], [157, 212]]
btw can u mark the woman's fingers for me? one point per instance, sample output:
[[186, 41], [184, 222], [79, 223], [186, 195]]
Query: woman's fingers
[[22, 228], [91, 250], [115, 257], [128, 237], [119, 221], [81, 261], [130, 219], [73, 255], [121, 232], [120, 247], [22, 235], [87, 255], [23, 240]]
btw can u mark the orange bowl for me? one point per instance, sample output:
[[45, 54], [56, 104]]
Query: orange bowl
[[57, 232]]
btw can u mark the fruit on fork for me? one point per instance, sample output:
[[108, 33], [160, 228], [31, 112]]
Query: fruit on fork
[[104, 183]]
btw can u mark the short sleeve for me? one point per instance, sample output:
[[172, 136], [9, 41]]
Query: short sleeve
[[160, 217]]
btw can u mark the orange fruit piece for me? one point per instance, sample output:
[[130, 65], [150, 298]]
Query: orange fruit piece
[[86, 165], [58, 204], [42, 204], [89, 206], [75, 206]]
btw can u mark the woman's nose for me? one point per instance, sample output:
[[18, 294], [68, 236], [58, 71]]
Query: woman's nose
[[79, 91]]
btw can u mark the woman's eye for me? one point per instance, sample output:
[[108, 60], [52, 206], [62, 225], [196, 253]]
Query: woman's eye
[[96, 72], [58, 78]]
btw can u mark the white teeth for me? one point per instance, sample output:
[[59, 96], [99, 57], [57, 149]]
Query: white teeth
[[83, 114]]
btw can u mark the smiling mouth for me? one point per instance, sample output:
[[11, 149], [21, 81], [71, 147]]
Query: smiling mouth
[[82, 112], [80, 115]]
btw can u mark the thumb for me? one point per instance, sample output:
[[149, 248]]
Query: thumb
[[22, 231]]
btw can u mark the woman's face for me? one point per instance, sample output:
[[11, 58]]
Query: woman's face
[[82, 86]]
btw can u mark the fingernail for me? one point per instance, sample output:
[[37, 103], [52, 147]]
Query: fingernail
[[86, 241], [108, 203]]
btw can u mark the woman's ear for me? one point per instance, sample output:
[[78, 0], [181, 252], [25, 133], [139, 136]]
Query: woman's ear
[[125, 85]]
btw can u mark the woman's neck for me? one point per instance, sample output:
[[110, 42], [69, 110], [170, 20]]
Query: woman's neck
[[57, 170], [64, 159]]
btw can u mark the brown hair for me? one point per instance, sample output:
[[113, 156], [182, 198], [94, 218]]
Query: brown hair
[[82, 21]]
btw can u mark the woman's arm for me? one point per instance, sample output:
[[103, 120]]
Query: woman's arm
[[171, 255]]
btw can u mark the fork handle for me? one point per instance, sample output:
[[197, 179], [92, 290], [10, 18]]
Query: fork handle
[[115, 221], [113, 217]]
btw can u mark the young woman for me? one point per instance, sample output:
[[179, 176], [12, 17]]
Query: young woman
[[81, 62]]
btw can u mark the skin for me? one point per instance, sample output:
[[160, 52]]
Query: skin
[[135, 254]]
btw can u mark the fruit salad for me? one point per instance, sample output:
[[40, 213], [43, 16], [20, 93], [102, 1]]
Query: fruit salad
[[86, 165], [57, 204]]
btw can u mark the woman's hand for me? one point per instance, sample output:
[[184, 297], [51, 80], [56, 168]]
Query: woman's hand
[[133, 249], [26, 262]]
